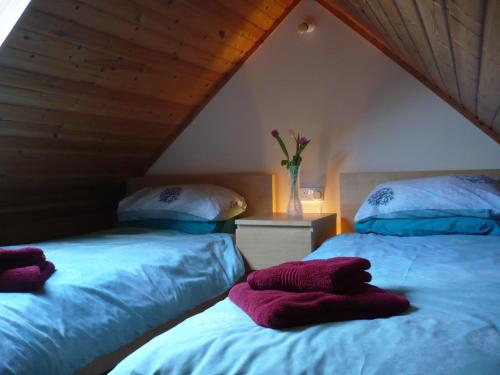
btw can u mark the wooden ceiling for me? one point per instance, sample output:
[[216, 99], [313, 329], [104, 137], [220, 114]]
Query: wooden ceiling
[[452, 46], [92, 91]]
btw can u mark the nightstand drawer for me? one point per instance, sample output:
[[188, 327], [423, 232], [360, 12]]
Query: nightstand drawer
[[266, 246], [272, 239]]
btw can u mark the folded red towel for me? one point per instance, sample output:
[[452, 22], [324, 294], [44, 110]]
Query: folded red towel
[[279, 309], [26, 256], [327, 275], [26, 279]]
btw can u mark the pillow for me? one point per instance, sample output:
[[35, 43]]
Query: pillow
[[191, 227], [430, 226], [446, 196], [182, 202]]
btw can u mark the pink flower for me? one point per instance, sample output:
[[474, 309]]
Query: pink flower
[[275, 133], [303, 141]]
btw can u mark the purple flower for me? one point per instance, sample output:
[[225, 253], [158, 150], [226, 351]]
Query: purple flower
[[303, 141], [275, 133]]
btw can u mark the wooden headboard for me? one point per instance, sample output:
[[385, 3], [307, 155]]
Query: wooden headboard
[[354, 187], [259, 189]]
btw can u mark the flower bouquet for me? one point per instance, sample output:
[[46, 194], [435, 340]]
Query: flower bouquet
[[293, 166]]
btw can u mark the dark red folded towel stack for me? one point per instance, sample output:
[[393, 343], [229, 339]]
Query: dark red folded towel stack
[[322, 275], [316, 291], [23, 270]]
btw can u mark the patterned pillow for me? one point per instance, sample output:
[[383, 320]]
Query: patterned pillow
[[198, 203], [472, 196]]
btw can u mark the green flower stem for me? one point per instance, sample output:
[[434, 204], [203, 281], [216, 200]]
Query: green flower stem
[[283, 147]]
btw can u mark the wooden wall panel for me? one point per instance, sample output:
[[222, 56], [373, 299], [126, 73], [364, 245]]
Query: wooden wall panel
[[452, 46], [91, 92]]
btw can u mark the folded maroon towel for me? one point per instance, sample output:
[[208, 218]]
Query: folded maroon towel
[[279, 309], [26, 279], [327, 275], [26, 256]]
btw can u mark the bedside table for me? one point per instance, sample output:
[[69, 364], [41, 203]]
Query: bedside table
[[271, 239]]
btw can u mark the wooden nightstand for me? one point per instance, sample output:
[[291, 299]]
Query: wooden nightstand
[[276, 238]]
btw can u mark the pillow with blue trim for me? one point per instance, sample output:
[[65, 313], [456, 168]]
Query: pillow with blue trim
[[196, 203], [432, 197]]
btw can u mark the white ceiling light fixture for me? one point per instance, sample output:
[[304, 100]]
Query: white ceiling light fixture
[[10, 12], [306, 27]]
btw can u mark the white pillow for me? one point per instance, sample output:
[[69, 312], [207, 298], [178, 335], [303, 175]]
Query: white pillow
[[445, 196], [182, 202]]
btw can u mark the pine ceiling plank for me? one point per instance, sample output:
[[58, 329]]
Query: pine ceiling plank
[[365, 11], [83, 124], [355, 11], [390, 34], [465, 25], [173, 29], [107, 97], [247, 11], [352, 12], [394, 18], [13, 57], [83, 36], [175, 15], [434, 20], [284, 3], [208, 18], [61, 101], [410, 17], [92, 18], [488, 100], [94, 100], [220, 15], [10, 139], [65, 135], [46, 131], [42, 54], [271, 8]]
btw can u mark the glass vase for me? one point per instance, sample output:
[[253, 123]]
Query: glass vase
[[294, 203]]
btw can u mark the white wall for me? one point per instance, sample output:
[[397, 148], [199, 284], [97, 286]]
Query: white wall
[[362, 111]]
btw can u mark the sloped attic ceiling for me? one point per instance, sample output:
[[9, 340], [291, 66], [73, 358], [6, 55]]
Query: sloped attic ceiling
[[452, 46], [92, 91]]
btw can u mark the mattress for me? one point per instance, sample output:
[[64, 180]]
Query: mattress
[[109, 288], [452, 327]]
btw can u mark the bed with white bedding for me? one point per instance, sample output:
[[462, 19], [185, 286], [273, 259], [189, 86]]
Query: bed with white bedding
[[435, 241], [114, 290], [452, 327], [109, 288]]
